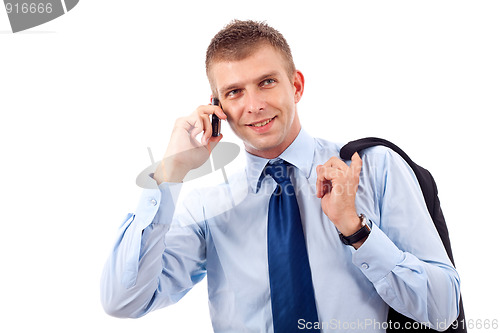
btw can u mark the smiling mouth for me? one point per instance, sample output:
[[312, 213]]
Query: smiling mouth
[[262, 123]]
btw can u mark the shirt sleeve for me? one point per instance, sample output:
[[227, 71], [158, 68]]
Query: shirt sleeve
[[158, 257], [403, 256]]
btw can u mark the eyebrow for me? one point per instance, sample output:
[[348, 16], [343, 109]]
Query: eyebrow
[[266, 76], [233, 86]]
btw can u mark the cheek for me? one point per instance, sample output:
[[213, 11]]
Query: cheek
[[231, 124], [233, 118], [234, 112], [286, 103]]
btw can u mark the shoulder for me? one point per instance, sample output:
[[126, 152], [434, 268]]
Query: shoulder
[[378, 161], [328, 145], [378, 154], [385, 165], [325, 149]]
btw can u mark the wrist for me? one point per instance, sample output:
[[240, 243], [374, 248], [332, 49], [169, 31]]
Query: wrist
[[349, 224], [358, 244], [168, 172], [357, 238]]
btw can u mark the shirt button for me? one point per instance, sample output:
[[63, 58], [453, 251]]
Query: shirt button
[[365, 265], [152, 202]]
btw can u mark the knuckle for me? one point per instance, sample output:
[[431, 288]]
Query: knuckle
[[204, 110], [335, 160], [180, 121]]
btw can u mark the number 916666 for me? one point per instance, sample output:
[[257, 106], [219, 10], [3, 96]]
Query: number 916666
[[29, 8]]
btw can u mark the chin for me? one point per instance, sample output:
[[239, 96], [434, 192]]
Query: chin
[[264, 145], [263, 148]]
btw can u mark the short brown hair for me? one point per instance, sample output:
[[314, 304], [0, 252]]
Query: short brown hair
[[239, 39]]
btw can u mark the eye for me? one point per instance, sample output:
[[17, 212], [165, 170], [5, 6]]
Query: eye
[[233, 93], [268, 82]]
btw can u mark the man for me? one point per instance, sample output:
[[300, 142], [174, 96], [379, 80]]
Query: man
[[394, 256]]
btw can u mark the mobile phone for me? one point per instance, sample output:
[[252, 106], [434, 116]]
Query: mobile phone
[[215, 119]]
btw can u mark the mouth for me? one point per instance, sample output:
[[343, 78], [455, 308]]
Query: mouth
[[262, 123]]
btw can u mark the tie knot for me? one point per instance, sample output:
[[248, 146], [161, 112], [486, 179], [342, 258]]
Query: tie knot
[[279, 171]]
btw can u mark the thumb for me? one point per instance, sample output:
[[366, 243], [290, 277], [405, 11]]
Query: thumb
[[212, 142], [356, 164]]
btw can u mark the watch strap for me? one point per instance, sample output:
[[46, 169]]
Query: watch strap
[[358, 235]]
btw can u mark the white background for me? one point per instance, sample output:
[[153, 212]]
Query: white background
[[83, 96]]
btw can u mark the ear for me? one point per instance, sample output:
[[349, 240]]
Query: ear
[[298, 85]]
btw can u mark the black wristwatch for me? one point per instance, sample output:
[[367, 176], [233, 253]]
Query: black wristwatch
[[358, 235]]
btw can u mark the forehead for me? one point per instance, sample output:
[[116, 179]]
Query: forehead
[[266, 59]]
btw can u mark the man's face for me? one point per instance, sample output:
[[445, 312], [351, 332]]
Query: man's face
[[260, 100]]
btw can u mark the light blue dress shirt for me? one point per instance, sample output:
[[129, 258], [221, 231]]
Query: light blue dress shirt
[[221, 232]]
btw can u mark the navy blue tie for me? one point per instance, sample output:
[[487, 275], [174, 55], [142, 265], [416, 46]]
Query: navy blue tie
[[292, 293]]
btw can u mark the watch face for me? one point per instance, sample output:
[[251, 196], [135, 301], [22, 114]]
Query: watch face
[[365, 222], [366, 226]]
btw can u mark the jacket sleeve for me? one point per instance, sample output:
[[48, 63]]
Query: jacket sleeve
[[158, 257], [404, 257]]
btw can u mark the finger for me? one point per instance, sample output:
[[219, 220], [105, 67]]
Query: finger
[[356, 164], [211, 109], [319, 191], [323, 188], [336, 163], [195, 126], [204, 112], [207, 128], [323, 183], [185, 123], [212, 142], [329, 173], [220, 113]]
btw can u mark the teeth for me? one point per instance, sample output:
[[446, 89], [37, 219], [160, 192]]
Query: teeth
[[263, 123]]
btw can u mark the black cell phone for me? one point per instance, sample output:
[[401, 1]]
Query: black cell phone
[[215, 119]]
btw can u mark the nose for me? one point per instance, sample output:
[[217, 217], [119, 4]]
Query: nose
[[254, 101]]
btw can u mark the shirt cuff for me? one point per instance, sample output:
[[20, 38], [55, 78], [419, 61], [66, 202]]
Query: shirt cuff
[[169, 194], [156, 206], [378, 255]]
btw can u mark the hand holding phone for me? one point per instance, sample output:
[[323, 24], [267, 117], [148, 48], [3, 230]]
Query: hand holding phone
[[185, 151], [215, 120]]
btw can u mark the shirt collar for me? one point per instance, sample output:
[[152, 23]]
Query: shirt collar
[[300, 153]]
